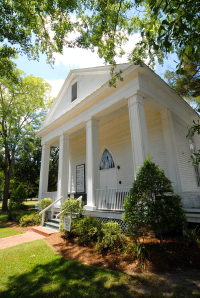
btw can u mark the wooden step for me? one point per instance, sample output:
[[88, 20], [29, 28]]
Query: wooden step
[[43, 231]]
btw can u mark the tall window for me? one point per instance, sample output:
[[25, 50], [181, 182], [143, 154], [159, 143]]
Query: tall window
[[106, 161], [74, 91], [192, 150]]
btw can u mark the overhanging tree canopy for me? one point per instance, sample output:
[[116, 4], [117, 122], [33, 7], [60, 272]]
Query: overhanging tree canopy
[[43, 26]]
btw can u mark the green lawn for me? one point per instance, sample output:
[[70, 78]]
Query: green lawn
[[34, 270], [30, 203], [6, 232], [3, 217]]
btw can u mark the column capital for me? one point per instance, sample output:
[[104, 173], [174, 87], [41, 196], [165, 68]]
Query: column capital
[[64, 137], [165, 114], [136, 98], [92, 122], [46, 147]]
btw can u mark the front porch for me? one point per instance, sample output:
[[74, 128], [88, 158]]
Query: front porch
[[105, 136], [109, 203]]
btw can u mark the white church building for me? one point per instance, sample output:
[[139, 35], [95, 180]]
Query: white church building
[[105, 133]]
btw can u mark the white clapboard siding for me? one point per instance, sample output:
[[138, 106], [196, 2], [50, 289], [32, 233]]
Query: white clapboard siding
[[116, 136], [188, 177], [78, 156], [156, 140], [86, 85]]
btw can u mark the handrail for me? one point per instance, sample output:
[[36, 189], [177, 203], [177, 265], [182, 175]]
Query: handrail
[[45, 209], [79, 198]]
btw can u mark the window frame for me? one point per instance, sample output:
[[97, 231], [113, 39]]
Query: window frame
[[72, 84]]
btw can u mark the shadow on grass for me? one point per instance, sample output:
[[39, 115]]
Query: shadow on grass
[[65, 278]]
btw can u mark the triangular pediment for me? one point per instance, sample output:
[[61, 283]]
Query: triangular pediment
[[88, 81]]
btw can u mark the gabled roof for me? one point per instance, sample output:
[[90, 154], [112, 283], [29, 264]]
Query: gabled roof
[[99, 70]]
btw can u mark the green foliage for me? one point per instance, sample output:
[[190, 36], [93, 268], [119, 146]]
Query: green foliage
[[18, 197], [165, 27], [72, 206], [44, 203], [87, 230], [168, 27], [23, 106], [137, 250], [193, 237], [148, 207], [111, 237], [32, 219], [17, 214], [27, 166]]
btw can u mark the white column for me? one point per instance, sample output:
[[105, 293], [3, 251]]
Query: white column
[[170, 148], [63, 168], [139, 136], [44, 170], [92, 162], [70, 172]]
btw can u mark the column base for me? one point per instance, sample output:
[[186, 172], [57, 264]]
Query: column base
[[90, 208]]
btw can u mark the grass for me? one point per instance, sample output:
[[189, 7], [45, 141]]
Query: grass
[[3, 217], [6, 232], [34, 270], [30, 203]]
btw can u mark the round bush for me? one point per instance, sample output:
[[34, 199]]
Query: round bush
[[32, 219], [44, 203], [112, 237]]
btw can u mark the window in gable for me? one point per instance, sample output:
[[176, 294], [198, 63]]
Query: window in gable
[[74, 91]]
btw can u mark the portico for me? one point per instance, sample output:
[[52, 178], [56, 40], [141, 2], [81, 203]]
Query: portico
[[123, 125]]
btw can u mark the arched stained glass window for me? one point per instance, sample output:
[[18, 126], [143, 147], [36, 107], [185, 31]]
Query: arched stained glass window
[[106, 161]]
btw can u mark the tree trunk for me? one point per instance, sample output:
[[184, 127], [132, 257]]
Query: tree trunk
[[6, 192]]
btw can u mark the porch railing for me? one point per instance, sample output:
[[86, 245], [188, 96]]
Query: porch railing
[[111, 199], [191, 202]]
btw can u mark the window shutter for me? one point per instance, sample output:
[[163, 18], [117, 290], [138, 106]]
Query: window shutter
[[74, 91]]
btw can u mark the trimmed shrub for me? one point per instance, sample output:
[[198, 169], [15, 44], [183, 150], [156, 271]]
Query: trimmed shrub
[[87, 230], [111, 238], [18, 197], [44, 203], [32, 219], [148, 208]]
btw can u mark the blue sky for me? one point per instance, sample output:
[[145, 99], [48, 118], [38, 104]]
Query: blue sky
[[74, 58]]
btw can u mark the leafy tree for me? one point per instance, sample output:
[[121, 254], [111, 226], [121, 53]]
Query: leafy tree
[[148, 207], [27, 166], [30, 27], [186, 84], [18, 197], [23, 105], [168, 26]]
